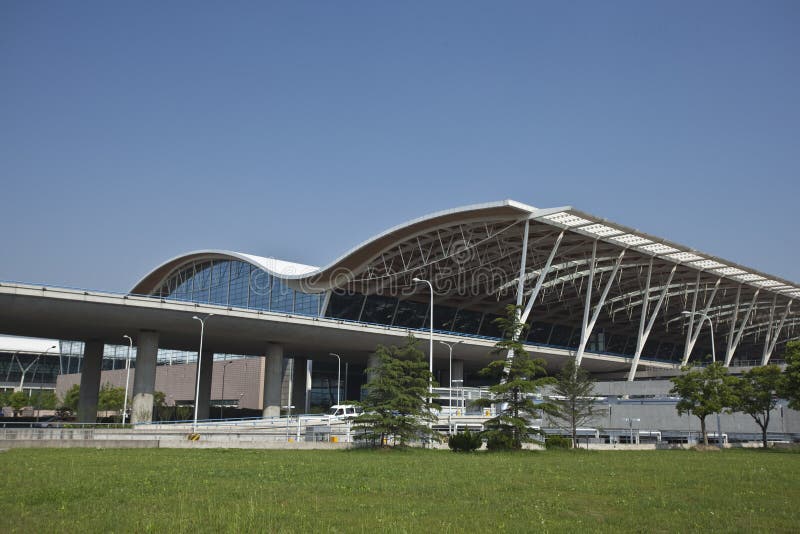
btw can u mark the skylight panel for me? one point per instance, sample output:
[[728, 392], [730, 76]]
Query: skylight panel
[[684, 256], [729, 271], [631, 239], [749, 277], [708, 264], [767, 283], [600, 230], [659, 248], [567, 219]]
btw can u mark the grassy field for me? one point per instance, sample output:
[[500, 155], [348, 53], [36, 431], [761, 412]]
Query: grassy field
[[105, 490]]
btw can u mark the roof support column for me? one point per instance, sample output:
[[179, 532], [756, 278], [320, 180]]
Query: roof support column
[[770, 327], [645, 333], [695, 329], [587, 327], [540, 279], [522, 264], [687, 348], [734, 343], [768, 352]]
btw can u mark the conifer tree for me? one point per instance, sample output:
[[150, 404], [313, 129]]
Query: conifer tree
[[518, 377]]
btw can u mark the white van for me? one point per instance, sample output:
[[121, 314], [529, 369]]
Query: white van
[[345, 411]]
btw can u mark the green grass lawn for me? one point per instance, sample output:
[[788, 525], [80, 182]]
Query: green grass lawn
[[152, 490]]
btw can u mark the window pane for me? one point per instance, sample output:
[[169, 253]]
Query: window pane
[[347, 306], [379, 309], [411, 314]]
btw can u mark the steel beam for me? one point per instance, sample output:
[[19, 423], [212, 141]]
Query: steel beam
[[732, 347], [586, 328], [644, 334]]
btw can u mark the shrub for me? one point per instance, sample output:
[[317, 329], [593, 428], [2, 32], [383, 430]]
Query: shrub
[[498, 441], [464, 442], [558, 442]]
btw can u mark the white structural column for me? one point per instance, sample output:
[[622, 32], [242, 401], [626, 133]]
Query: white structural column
[[587, 325], [696, 319], [540, 279], [90, 381], [644, 332], [206, 372], [273, 377], [144, 380], [520, 287], [774, 337], [770, 325], [733, 343]]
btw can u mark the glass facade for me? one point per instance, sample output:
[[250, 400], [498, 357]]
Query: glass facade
[[391, 311], [237, 284]]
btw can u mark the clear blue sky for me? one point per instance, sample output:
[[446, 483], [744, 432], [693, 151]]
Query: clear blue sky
[[132, 132]]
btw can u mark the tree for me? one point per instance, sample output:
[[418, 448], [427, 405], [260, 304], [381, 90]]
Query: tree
[[71, 398], [44, 400], [790, 383], [519, 377], [397, 405], [572, 401], [18, 400], [756, 394], [703, 392], [110, 398]]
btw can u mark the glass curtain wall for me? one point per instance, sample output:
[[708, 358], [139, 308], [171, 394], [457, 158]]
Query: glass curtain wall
[[237, 284]]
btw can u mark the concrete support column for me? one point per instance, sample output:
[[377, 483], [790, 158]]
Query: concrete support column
[[373, 361], [144, 380], [90, 381], [206, 371], [458, 370], [272, 380], [301, 389]]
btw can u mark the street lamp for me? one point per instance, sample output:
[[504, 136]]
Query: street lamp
[[430, 346], [127, 377], [199, 360], [450, 376], [338, 376], [703, 317]]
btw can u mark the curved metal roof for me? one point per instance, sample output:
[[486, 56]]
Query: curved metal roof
[[283, 269], [475, 253]]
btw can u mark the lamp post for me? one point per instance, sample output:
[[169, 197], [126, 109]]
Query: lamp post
[[338, 376], [450, 371], [704, 317], [430, 347], [199, 360], [127, 377]]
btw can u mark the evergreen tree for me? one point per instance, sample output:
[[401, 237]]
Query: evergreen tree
[[519, 377], [397, 408], [572, 404]]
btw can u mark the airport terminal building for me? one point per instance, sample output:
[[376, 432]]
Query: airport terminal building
[[625, 304]]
